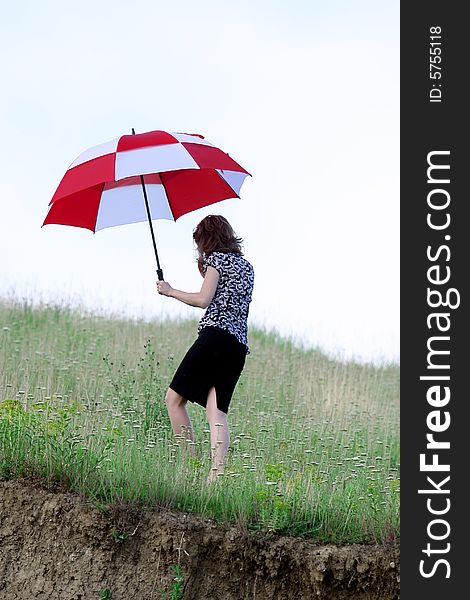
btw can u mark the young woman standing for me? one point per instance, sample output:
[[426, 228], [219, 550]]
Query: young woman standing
[[212, 366]]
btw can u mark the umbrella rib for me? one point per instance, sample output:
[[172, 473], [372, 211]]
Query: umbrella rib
[[225, 181], [167, 196], [98, 211]]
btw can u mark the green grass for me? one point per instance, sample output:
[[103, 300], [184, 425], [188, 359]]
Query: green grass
[[314, 440]]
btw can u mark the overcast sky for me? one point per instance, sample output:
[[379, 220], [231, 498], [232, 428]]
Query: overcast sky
[[303, 94]]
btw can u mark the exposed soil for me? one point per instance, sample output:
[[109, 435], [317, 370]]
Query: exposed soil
[[58, 545]]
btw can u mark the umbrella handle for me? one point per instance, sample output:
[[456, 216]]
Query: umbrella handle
[[160, 274]]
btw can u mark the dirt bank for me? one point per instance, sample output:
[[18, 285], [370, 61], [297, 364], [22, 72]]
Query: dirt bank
[[55, 544]]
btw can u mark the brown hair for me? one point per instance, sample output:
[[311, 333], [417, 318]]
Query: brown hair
[[215, 234]]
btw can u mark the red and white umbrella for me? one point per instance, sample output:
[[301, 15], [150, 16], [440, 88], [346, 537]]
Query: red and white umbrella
[[140, 177]]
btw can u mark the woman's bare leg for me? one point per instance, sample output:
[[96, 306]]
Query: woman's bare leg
[[180, 421], [220, 435]]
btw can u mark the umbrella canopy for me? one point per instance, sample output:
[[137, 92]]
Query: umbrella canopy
[[178, 173]]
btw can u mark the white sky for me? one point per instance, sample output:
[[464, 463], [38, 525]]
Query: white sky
[[303, 94]]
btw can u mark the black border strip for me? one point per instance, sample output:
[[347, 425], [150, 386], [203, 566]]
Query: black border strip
[[434, 127]]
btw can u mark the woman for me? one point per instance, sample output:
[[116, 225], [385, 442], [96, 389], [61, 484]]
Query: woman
[[212, 366]]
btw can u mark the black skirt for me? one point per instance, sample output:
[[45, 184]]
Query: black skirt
[[216, 359]]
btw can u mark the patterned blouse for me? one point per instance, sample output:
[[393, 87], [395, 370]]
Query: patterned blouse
[[229, 307]]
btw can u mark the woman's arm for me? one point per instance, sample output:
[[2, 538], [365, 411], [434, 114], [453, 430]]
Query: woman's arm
[[200, 299]]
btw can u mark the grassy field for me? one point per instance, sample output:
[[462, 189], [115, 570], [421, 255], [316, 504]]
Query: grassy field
[[314, 441]]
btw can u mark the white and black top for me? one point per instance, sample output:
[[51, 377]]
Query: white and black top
[[229, 307]]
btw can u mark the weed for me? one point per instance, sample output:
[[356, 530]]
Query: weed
[[119, 536], [177, 587]]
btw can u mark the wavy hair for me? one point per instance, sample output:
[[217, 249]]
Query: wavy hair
[[215, 234]]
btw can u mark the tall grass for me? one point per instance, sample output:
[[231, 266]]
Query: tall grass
[[314, 441]]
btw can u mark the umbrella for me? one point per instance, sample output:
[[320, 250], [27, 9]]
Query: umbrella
[[145, 176]]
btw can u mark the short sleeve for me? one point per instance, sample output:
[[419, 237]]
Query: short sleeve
[[213, 260]]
